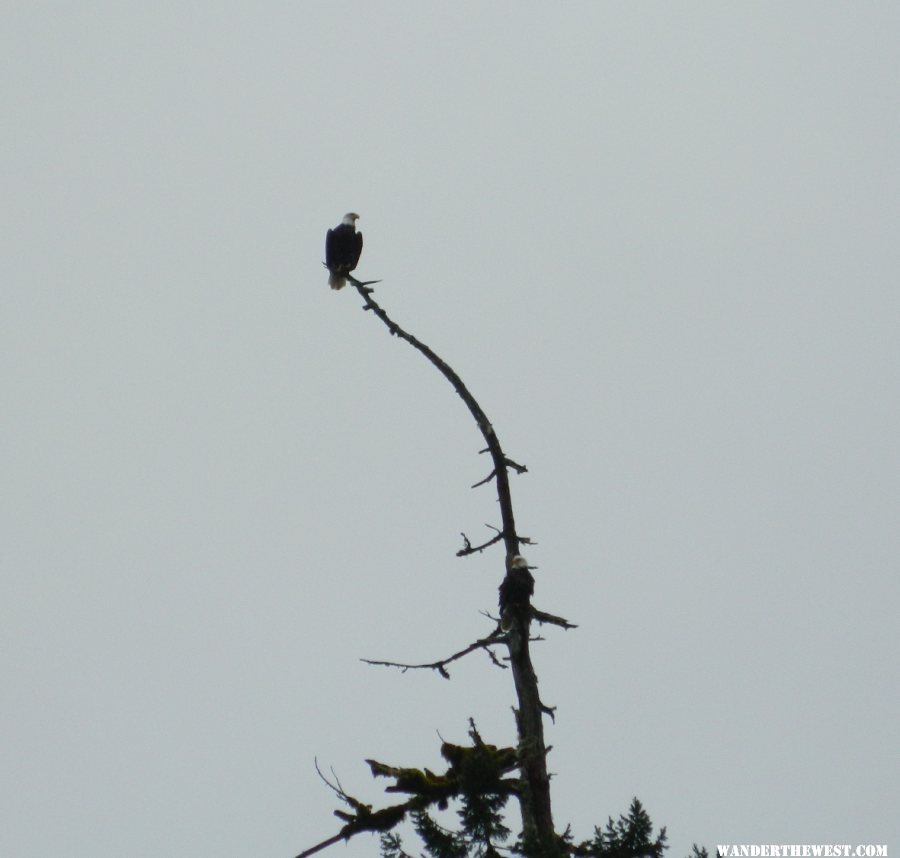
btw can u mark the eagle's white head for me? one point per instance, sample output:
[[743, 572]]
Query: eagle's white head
[[350, 219], [518, 562]]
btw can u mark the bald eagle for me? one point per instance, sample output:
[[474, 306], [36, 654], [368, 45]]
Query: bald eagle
[[516, 592], [343, 245]]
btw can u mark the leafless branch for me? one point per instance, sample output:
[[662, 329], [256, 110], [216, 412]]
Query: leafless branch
[[468, 548], [495, 638], [362, 819], [323, 845], [551, 619], [487, 479], [519, 469]]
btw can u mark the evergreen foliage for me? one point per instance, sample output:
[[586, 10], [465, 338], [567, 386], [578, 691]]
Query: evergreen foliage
[[482, 832], [630, 837]]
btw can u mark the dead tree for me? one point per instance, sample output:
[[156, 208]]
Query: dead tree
[[512, 634]]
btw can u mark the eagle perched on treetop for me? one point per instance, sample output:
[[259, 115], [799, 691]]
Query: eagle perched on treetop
[[343, 245]]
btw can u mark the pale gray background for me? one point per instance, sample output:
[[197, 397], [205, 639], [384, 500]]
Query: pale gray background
[[658, 240]]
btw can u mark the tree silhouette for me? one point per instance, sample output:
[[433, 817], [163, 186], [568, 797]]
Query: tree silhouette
[[481, 778]]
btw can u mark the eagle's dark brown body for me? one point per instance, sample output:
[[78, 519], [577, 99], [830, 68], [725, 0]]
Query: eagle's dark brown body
[[343, 246]]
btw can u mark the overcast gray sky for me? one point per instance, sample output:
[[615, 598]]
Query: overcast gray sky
[[658, 240]]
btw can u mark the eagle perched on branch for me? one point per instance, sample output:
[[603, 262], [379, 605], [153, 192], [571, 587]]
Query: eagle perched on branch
[[343, 246], [516, 592]]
